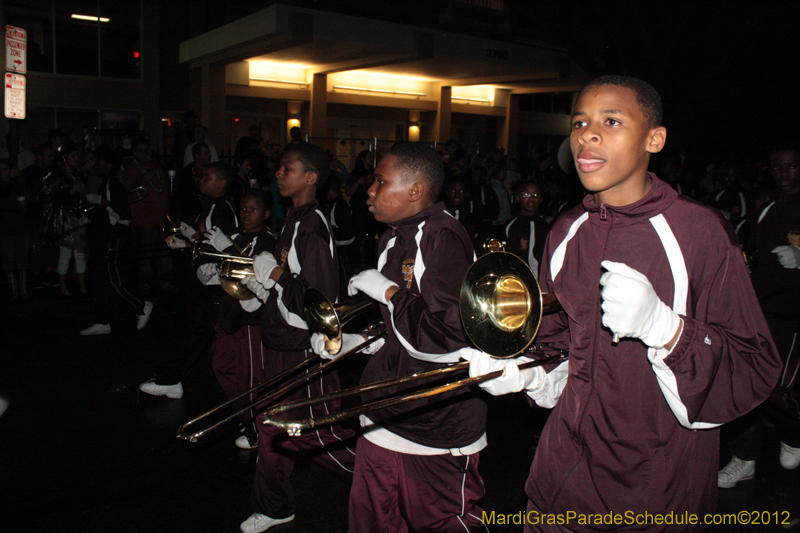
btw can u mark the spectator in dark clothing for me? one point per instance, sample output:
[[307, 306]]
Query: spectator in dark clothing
[[14, 232]]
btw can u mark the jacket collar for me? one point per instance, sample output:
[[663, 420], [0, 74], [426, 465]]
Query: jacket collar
[[296, 213], [658, 198], [414, 220]]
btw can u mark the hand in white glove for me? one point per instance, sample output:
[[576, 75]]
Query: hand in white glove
[[372, 283], [263, 265], [631, 308], [187, 231], [788, 256], [349, 341], [175, 243], [512, 380], [206, 272], [216, 238], [256, 288], [94, 198]]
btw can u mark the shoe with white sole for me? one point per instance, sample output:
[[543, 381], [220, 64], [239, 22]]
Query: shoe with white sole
[[257, 522], [734, 472], [141, 320], [96, 329], [790, 457], [170, 391]]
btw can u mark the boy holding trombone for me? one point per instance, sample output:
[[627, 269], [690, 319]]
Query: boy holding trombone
[[417, 463]]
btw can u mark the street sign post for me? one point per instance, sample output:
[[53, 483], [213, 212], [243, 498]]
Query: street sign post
[[15, 96], [16, 49]]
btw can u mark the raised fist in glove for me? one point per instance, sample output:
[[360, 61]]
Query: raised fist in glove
[[631, 308], [349, 341], [512, 380], [206, 272], [175, 243], [216, 238], [372, 283], [263, 265], [187, 231], [788, 256], [256, 288]]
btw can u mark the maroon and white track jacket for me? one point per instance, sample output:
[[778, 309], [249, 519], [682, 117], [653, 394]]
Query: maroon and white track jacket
[[427, 255], [635, 429]]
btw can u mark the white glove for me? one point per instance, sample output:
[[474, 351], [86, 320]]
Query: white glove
[[263, 265], [206, 273], [372, 283], [631, 308], [216, 238], [512, 380], [788, 256], [349, 341], [256, 288], [175, 243], [94, 198], [187, 231]]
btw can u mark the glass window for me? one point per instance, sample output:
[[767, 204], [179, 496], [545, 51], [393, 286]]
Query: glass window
[[120, 47], [35, 17], [76, 37]]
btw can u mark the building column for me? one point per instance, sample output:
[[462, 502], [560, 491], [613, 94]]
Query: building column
[[441, 127], [508, 134], [212, 114], [318, 123]]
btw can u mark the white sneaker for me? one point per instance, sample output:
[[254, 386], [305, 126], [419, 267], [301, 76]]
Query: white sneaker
[[790, 457], [141, 320], [257, 522], [244, 443], [170, 391], [734, 472], [97, 329]]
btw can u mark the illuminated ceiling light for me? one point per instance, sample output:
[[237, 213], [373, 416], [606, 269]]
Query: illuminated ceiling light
[[271, 80], [90, 18], [470, 99], [382, 91]]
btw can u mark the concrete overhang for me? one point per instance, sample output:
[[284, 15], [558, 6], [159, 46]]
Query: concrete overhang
[[331, 42]]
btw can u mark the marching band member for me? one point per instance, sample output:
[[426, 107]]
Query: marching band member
[[526, 234], [237, 355], [417, 463], [304, 257], [202, 301], [635, 422]]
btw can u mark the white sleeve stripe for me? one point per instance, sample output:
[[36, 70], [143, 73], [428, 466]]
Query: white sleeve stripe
[[666, 378], [452, 357], [290, 318], [385, 253], [419, 264], [291, 258], [764, 212], [557, 261], [532, 262]]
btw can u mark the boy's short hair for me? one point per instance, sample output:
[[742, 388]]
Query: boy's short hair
[[646, 96], [197, 147], [261, 196], [314, 159], [222, 171], [790, 145], [518, 186], [420, 160]]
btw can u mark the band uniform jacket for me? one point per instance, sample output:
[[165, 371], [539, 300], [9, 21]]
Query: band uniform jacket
[[525, 238], [233, 313], [306, 253], [427, 255], [634, 428]]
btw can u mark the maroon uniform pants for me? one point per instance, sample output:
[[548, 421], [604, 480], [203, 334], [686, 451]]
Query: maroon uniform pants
[[330, 446], [238, 362], [394, 492]]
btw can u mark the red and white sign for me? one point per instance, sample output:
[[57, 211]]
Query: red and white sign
[[15, 96], [16, 49]]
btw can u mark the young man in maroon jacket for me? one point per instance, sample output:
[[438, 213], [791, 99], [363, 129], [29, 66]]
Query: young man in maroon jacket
[[666, 338], [417, 463], [305, 256]]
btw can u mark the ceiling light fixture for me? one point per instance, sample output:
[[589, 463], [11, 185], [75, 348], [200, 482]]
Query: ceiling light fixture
[[90, 18]]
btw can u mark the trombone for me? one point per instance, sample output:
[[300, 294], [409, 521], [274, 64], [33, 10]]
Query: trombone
[[322, 317], [501, 308]]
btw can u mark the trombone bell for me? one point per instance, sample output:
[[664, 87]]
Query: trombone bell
[[330, 319]]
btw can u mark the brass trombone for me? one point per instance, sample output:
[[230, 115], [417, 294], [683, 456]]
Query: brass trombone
[[501, 308], [322, 317]]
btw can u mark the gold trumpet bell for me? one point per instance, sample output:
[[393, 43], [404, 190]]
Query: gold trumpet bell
[[501, 304], [231, 275], [330, 319]]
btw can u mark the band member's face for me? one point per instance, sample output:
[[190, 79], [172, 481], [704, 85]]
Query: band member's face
[[73, 159], [529, 198], [390, 195], [456, 194], [211, 185], [292, 177], [141, 152], [253, 213], [786, 171]]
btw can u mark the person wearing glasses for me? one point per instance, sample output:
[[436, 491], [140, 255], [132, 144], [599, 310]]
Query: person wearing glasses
[[526, 233]]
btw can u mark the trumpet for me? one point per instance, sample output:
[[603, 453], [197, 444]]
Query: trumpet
[[232, 268], [322, 317], [501, 308]]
